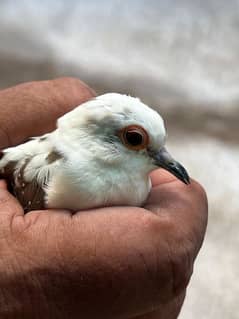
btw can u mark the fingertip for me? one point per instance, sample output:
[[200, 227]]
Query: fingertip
[[162, 179], [169, 195], [161, 176]]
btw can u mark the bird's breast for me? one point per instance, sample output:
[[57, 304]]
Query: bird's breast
[[86, 190]]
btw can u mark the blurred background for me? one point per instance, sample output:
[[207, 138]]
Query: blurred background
[[180, 57]]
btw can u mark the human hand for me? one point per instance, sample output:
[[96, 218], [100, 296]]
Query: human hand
[[115, 262]]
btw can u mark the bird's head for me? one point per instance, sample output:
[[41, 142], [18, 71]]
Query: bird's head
[[119, 130]]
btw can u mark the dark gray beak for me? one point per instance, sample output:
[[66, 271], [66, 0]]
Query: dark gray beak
[[163, 159]]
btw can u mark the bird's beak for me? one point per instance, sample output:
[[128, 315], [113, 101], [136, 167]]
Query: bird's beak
[[163, 159]]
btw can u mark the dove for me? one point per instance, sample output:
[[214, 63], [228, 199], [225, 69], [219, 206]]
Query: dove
[[100, 154]]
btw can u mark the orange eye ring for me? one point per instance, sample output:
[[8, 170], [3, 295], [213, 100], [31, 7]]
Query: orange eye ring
[[134, 137]]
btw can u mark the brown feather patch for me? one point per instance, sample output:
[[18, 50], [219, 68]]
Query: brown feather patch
[[53, 156], [29, 194]]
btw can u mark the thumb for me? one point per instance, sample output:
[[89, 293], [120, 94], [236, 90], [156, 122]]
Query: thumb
[[31, 109], [9, 206]]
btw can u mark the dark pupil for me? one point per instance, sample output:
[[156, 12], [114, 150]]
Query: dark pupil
[[134, 138]]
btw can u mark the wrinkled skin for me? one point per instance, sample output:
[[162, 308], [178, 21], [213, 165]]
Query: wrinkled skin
[[118, 262]]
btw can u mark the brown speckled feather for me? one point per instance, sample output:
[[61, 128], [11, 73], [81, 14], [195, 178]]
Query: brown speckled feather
[[30, 195]]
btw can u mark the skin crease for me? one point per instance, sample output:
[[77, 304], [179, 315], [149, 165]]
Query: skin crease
[[115, 262]]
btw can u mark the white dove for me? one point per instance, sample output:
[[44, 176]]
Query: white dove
[[100, 154]]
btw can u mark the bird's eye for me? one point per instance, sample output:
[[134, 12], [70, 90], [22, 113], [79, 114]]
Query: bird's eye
[[134, 137]]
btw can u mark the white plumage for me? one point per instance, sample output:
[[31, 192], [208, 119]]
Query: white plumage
[[101, 154]]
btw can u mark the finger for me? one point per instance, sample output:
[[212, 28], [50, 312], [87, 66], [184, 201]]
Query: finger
[[184, 207], [31, 109], [9, 206], [161, 176]]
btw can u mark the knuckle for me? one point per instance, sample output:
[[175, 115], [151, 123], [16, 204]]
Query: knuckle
[[153, 222]]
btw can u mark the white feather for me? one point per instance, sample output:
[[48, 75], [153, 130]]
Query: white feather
[[93, 172]]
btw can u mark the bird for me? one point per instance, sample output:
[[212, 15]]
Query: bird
[[100, 154]]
